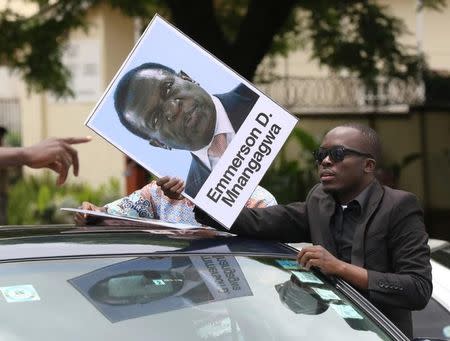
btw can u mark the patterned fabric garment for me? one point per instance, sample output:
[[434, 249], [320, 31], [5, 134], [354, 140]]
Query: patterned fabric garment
[[150, 202]]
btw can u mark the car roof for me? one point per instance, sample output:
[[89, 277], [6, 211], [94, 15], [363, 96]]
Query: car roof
[[441, 289], [436, 244], [18, 243]]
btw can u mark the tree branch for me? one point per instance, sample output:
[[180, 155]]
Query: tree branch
[[263, 21], [200, 23]]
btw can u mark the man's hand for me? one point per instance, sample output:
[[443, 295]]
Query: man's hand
[[56, 154], [85, 219], [320, 258], [172, 187]]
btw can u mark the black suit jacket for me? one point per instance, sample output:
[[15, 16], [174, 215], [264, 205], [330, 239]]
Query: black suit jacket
[[237, 103], [389, 241]]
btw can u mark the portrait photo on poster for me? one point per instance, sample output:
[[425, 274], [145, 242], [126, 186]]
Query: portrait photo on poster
[[177, 110]]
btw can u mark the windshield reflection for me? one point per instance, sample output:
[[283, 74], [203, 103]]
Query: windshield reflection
[[153, 285], [305, 293]]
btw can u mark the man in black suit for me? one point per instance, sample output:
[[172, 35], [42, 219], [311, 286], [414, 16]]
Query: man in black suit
[[170, 110], [370, 235]]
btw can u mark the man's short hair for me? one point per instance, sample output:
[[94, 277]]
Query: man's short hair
[[122, 93], [372, 140]]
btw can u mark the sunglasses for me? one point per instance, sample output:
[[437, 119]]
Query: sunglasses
[[337, 153]]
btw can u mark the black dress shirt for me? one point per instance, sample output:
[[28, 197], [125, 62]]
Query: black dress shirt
[[343, 223]]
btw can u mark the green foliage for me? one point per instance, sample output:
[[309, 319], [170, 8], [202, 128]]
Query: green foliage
[[36, 200], [390, 173], [360, 36], [34, 45], [437, 5], [13, 139], [291, 180]]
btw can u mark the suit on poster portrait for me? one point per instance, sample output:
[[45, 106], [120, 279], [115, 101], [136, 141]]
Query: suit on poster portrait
[[237, 104]]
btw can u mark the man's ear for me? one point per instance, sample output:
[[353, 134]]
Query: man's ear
[[185, 76], [370, 165], [159, 144]]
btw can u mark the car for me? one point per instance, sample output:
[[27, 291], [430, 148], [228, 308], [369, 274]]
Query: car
[[434, 319], [140, 283]]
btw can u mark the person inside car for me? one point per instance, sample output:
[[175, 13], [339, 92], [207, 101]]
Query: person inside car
[[151, 202]]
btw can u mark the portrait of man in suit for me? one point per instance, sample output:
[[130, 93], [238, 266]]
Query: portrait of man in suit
[[171, 110]]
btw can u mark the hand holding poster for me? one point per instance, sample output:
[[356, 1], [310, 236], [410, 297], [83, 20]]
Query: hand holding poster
[[178, 111]]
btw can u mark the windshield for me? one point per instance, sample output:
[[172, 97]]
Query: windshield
[[210, 297]]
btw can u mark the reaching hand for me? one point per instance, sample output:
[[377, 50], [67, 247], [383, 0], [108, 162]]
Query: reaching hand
[[56, 154], [172, 187], [319, 257], [85, 219]]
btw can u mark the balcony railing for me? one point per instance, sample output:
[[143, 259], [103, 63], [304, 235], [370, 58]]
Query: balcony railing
[[343, 95]]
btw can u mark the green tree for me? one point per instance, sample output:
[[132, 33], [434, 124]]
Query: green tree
[[360, 35]]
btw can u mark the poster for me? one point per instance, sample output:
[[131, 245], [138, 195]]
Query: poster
[[178, 111]]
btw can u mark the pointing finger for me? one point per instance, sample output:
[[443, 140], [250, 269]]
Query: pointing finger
[[76, 140]]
